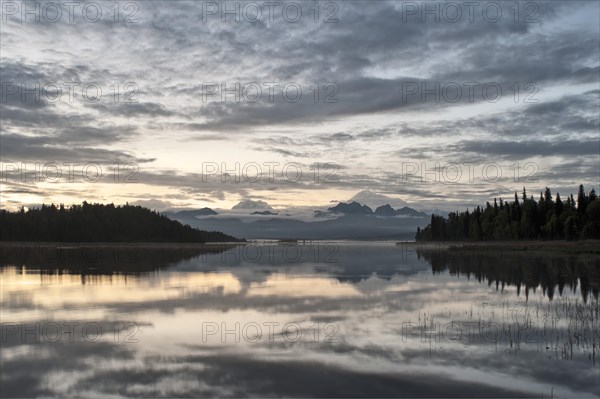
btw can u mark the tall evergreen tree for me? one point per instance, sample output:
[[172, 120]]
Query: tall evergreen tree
[[558, 208], [581, 201]]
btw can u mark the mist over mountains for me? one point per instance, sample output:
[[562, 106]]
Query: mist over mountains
[[250, 219], [374, 200]]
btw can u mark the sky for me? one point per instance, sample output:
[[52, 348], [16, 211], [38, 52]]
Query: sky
[[172, 105]]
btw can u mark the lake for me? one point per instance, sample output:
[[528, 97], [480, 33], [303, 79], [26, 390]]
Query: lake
[[337, 319]]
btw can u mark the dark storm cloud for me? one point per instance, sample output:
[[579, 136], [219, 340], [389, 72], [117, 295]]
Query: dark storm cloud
[[12, 76], [502, 52], [285, 152], [342, 52], [134, 109], [483, 151], [566, 127], [365, 96], [36, 130], [530, 148], [20, 148], [573, 116]]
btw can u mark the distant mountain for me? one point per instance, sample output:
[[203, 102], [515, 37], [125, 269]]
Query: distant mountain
[[198, 212], [358, 227], [322, 214], [385, 210], [253, 205], [351, 220], [374, 200], [353, 208], [388, 211], [406, 211], [436, 211], [264, 213]]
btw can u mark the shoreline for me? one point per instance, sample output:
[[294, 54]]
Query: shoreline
[[136, 245], [570, 247]]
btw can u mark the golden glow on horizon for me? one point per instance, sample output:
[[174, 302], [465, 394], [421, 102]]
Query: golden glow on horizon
[[120, 194], [47, 293]]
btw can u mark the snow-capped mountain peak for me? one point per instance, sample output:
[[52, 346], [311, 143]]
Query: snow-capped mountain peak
[[374, 200], [253, 205]]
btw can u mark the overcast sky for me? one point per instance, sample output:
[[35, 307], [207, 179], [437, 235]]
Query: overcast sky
[[388, 89]]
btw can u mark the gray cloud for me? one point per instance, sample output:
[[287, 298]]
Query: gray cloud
[[372, 53], [20, 148]]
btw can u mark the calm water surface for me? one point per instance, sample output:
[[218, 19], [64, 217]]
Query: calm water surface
[[326, 319]]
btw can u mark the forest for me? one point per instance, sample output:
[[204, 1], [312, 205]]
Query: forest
[[549, 218], [99, 223], [551, 274]]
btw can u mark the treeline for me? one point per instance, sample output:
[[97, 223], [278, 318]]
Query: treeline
[[99, 223], [526, 273], [102, 259], [549, 218]]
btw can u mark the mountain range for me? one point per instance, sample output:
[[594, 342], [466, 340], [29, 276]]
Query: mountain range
[[346, 220], [355, 208], [374, 200]]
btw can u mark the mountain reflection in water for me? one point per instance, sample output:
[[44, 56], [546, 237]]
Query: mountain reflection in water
[[373, 320]]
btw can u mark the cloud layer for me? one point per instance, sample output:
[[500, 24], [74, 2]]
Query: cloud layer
[[367, 86]]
